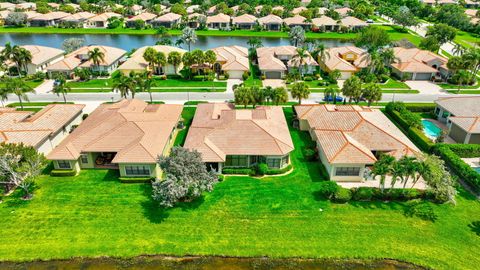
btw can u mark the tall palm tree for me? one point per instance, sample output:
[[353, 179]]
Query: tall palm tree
[[300, 91], [24, 57], [123, 84], [321, 53], [189, 36], [210, 58], [61, 87], [463, 76], [96, 56], [297, 36], [381, 168], [175, 59], [187, 63], [18, 87], [160, 60], [3, 95], [198, 57], [300, 59]]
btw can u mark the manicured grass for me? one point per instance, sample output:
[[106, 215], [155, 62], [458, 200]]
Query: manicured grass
[[187, 115], [392, 83], [471, 92], [407, 91], [34, 104], [31, 83], [253, 79], [93, 214], [454, 86], [466, 39]]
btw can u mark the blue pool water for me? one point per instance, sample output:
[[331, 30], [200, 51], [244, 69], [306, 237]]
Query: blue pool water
[[430, 129], [477, 169]]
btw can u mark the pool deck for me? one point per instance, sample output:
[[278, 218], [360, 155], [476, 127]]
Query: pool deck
[[375, 182], [447, 139], [472, 162]]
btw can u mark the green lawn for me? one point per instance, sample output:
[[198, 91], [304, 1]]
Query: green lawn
[[394, 84], [187, 115], [454, 86], [406, 91], [253, 79], [94, 215], [471, 92], [466, 39], [31, 83]]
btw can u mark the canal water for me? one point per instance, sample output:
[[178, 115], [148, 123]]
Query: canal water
[[210, 263], [129, 42]]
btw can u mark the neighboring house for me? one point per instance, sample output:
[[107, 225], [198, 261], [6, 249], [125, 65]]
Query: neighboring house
[[137, 63], [416, 64], [3, 16], [77, 19], [195, 20], [353, 23], [48, 19], [211, 11], [271, 22], [219, 21], [136, 9], [31, 15], [128, 135], [228, 137], [349, 138], [344, 12], [471, 4], [101, 20], [54, 6], [462, 116], [244, 22], [169, 20], [347, 59], [324, 23], [232, 60], [79, 59], [7, 6], [298, 10], [193, 9], [274, 62], [26, 6], [471, 12], [145, 17], [297, 20], [42, 130], [42, 57]]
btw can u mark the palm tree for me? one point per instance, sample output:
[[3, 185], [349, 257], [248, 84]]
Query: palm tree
[[300, 91], [300, 59], [175, 59], [189, 36], [463, 76], [254, 43], [372, 93], [96, 56], [408, 168], [335, 74], [280, 95], [388, 56], [123, 84], [297, 36], [332, 91], [198, 58], [149, 56], [187, 63], [160, 60], [381, 168], [321, 53], [458, 49], [210, 58], [9, 53], [3, 95], [19, 88], [61, 87], [244, 96]]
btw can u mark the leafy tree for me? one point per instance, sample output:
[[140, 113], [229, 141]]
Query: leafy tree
[[300, 59], [178, 9], [19, 166], [114, 22], [442, 32], [210, 57], [280, 95], [244, 96], [175, 59], [373, 38], [61, 87], [186, 178], [352, 88], [160, 59], [372, 93], [82, 73], [189, 37], [16, 19], [463, 76], [300, 91], [71, 44], [335, 75], [187, 63], [297, 36], [430, 43], [198, 58], [438, 179], [405, 17]]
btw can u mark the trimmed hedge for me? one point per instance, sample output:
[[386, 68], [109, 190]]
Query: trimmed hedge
[[455, 162], [415, 107], [135, 180], [279, 171], [245, 171], [63, 173], [466, 150]]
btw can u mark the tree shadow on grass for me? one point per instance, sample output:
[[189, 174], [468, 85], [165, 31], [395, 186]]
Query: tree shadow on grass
[[111, 176], [378, 205], [475, 227], [154, 212]]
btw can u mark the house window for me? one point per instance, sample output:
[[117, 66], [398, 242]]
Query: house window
[[236, 161], [437, 111], [347, 171], [137, 170], [84, 158], [63, 164], [273, 162]]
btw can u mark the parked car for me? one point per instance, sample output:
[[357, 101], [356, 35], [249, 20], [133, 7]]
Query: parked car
[[369, 21], [330, 98]]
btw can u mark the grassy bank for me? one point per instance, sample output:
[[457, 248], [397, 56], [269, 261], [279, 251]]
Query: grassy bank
[[94, 215]]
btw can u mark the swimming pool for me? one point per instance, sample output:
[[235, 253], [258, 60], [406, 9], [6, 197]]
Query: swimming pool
[[477, 169], [431, 129]]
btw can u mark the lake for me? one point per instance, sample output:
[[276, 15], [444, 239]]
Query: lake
[[210, 263], [129, 42]]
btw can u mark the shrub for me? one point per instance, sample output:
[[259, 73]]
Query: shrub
[[328, 189], [263, 77], [279, 171], [310, 154], [227, 75], [363, 194], [261, 169], [342, 195], [84, 116], [246, 171], [245, 75], [63, 173], [421, 210], [134, 180], [308, 79]]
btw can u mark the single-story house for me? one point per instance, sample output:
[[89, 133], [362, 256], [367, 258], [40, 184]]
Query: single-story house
[[136, 9], [137, 63], [211, 10], [462, 116], [271, 22], [26, 6], [350, 138], [324, 22], [79, 59], [228, 137], [347, 59], [7, 6], [128, 135], [195, 20], [471, 4], [298, 10], [169, 20], [42, 130], [54, 6], [232, 60], [274, 62], [244, 22], [344, 11], [77, 19], [417, 64], [219, 21], [193, 9], [101, 20], [471, 12], [353, 23], [297, 20], [42, 57], [48, 19], [147, 17]]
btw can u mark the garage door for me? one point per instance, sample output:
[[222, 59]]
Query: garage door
[[423, 76], [273, 75]]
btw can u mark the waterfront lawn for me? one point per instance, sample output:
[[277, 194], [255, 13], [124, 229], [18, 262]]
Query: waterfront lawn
[[93, 215]]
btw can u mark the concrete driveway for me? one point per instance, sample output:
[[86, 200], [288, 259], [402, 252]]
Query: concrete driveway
[[274, 83], [426, 87], [231, 83], [45, 87]]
